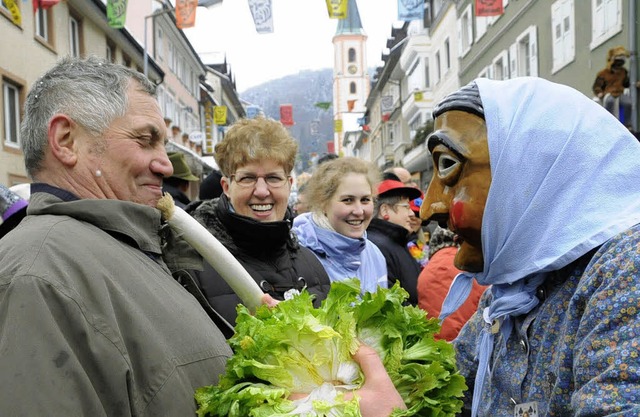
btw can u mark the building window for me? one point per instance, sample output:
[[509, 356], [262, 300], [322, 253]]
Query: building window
[[500, 66], [352, 55], [171, 57], [414, 78], [438, 66], [482, 23], [159, 45], [465, 32], [427, 77], [562, 18], [111, 51], [352, 88], [11, 107], [447, 55], [74, 37], [170, 107], [523, 54], [42, 24], [606, 20]]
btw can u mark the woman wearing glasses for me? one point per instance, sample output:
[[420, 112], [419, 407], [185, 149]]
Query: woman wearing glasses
[[252, 219], [341, 195], [389, 230]]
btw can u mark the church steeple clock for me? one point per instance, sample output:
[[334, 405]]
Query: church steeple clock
[[351, 82]]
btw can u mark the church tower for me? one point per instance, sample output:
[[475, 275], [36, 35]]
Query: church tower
[[351, 84]]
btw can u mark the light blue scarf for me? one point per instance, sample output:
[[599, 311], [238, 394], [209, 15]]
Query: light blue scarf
[[565, 179]]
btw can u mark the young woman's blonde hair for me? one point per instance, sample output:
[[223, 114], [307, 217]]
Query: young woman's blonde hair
[[251, 140], [327, 177]]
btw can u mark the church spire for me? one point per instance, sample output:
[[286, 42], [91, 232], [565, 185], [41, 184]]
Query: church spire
[[351, 25]]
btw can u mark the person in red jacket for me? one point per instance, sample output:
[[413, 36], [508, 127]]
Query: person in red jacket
[[434, 281]]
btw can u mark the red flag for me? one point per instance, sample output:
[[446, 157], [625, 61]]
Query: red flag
[[351, 104], [331, 147], [44, 4], [286, 114], [186, 13], [489, 8], [385, 117]]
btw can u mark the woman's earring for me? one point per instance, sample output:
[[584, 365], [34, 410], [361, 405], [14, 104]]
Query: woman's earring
[[98, 173], [386, 217]]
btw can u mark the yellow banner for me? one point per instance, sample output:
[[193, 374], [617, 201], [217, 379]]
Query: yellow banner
[[13, 8], [337, 9], [220, 115], [337, 125], [417, 96]]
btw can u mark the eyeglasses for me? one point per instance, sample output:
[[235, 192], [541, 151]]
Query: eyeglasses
[[250, 181], [405, 205]]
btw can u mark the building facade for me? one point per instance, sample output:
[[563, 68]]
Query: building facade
[[30, 47]]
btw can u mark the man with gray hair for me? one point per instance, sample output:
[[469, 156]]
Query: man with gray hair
[[92, 321]]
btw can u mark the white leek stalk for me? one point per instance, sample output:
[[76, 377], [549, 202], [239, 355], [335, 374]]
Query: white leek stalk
[[212, 251]]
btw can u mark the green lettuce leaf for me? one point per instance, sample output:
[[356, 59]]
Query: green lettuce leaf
[[296, 348]]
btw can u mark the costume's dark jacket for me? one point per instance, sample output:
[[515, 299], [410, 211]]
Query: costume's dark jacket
[[269, 251], [392, 240]]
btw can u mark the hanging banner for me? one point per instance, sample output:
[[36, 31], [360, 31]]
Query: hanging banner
[[337, 125], [44, 4], [286, 114], [220, 115], [351, 104], [262, 13], [386, 104], [314, 127], [186, 13], [337, 9], [116, 13], [324, 105], [13, 8], [489, 8], [331, 147], [418, 96], [409, 10]]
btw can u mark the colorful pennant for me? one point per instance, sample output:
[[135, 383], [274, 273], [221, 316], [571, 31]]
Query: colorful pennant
[[337, 9], [116, 13], [262, 13]]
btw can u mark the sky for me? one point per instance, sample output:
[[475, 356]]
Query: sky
[[301, 39]]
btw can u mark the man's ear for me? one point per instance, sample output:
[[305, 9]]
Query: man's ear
[[61, 138]]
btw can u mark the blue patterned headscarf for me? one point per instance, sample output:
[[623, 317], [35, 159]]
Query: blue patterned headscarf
[[565, 178]]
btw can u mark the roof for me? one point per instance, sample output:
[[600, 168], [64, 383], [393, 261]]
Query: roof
[[351, 25]]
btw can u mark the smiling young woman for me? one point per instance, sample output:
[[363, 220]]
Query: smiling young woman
[[341, 196]]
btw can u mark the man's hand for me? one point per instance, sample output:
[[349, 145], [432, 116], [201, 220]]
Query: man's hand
[[269, 300], [378, 396]]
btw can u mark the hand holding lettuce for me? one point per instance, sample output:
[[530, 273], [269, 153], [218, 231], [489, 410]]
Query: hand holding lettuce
[[294, 348]]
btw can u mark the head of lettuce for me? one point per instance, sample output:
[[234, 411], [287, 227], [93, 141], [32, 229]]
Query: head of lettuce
[[295, 348]]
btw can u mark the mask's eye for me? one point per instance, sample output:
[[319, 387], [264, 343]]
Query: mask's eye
[[446, 165], [449, 167]]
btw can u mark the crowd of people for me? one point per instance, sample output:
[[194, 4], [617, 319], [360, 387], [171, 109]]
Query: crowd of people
[[527, 250]]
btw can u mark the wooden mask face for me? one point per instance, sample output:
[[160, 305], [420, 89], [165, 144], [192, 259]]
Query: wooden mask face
[[461, 178]]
